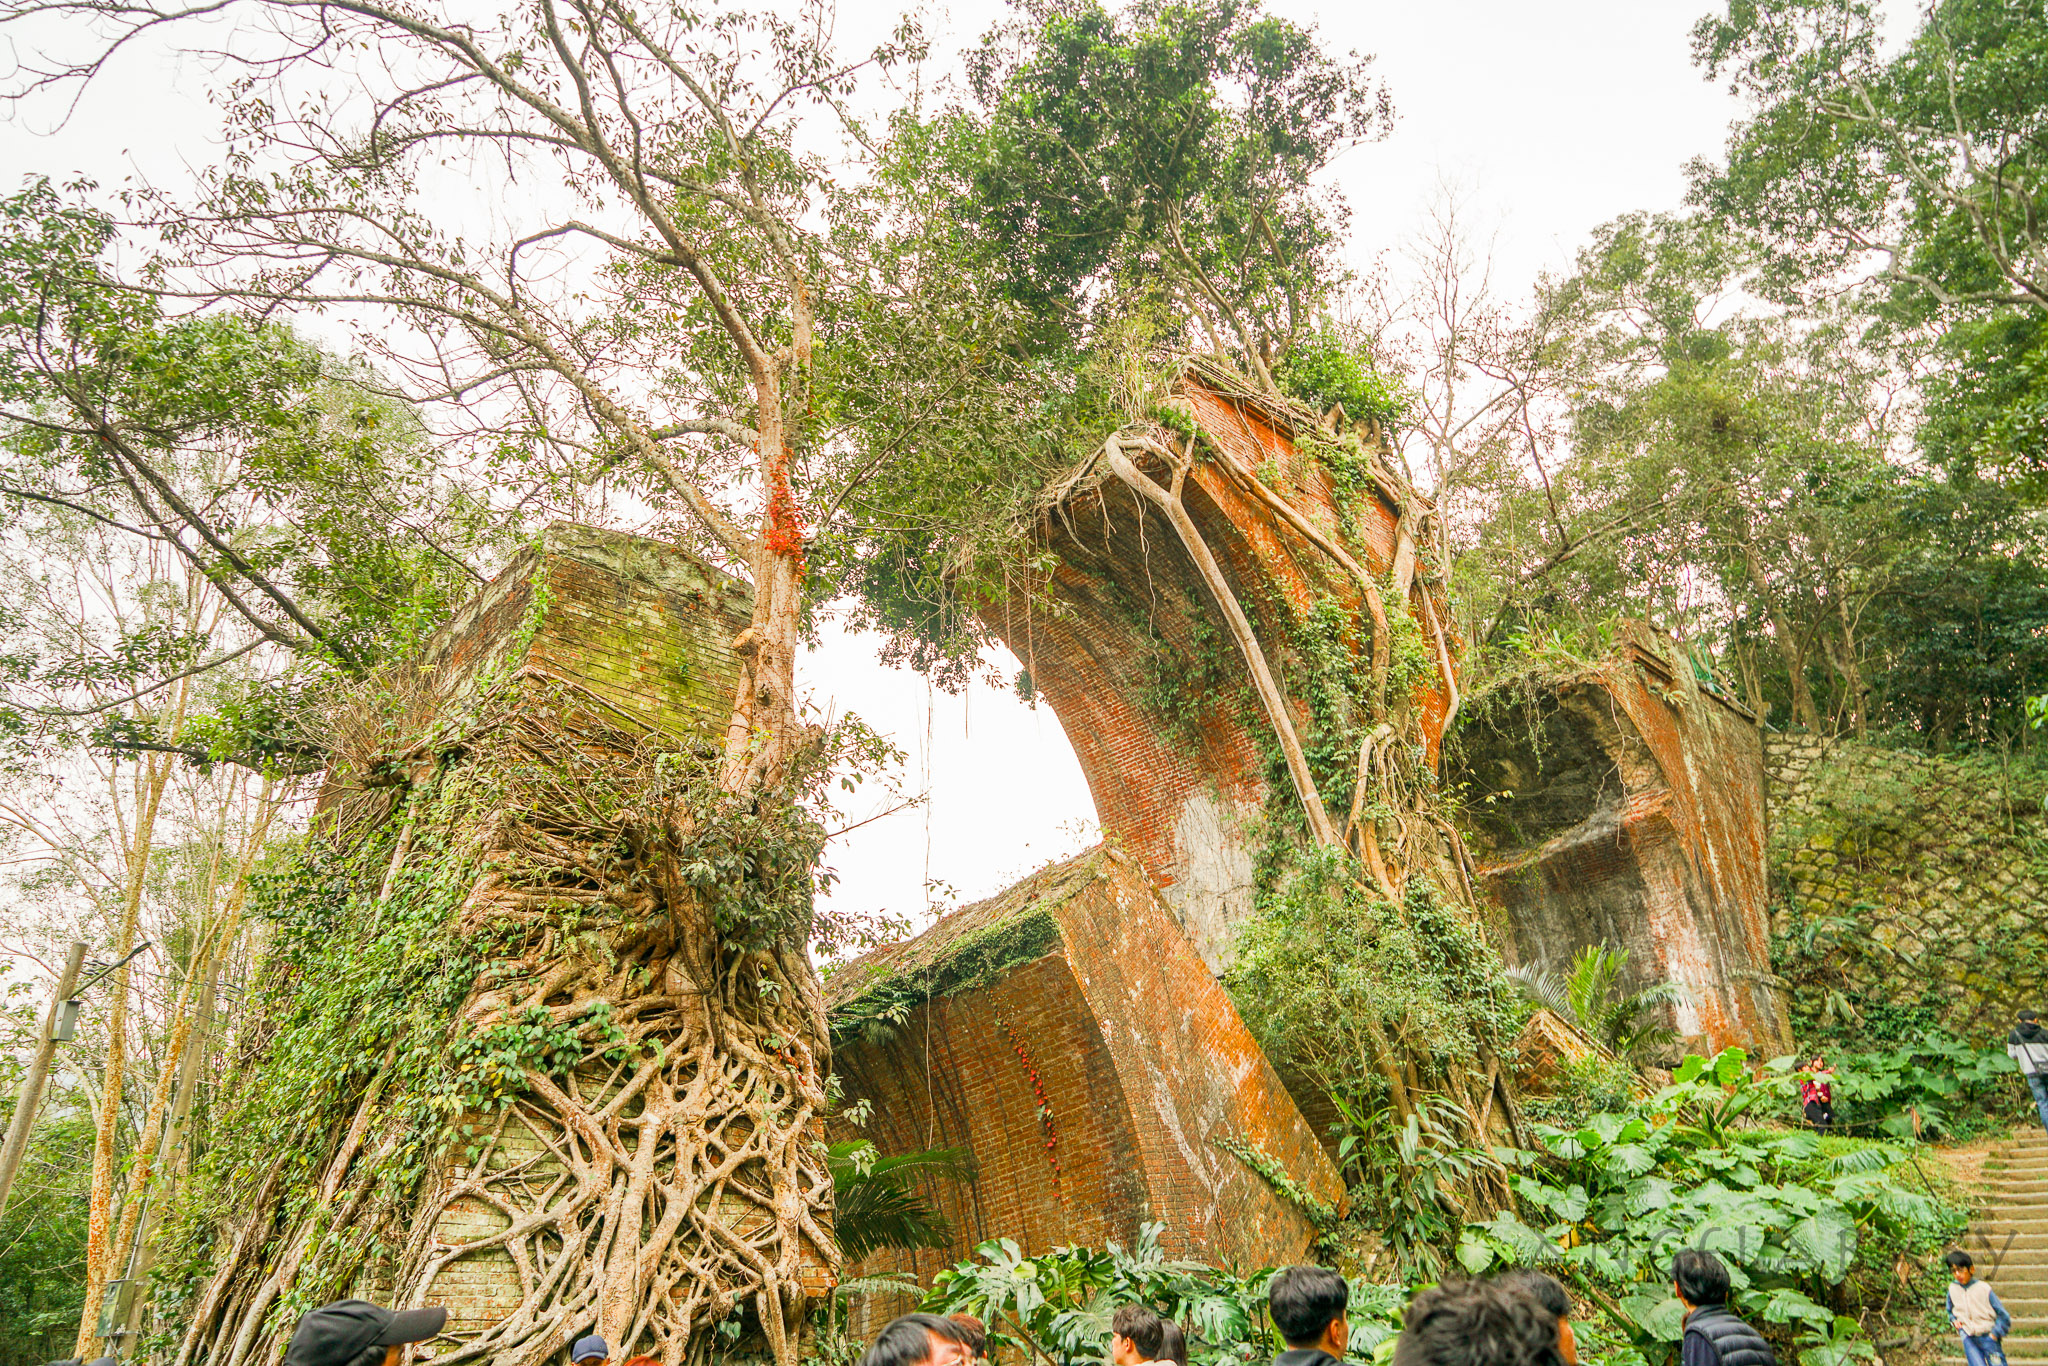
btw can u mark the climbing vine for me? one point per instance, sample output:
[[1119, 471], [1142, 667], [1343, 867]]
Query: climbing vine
[[536, 964]]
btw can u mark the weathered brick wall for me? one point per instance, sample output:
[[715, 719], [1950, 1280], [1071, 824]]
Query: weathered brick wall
[[1154, 700], [1923, 879], [1624, 806], [1068, 1037], [641, 631], [640, 627]]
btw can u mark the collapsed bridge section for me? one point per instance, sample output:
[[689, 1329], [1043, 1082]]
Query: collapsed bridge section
[[1067, 1037], [1325, 547], [1624, 805]]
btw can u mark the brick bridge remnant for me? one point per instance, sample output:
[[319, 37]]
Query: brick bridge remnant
[[1152, 695], [590, 651], [1154, 701], [1624, 805], [1067, 1036]]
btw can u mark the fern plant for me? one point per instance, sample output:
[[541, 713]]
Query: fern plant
[[876, 1203], [1592, 996]]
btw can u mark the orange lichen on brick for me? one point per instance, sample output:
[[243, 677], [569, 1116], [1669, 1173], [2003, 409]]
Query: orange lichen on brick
[[1625, 806], [1066, 1035], [1180, 796]]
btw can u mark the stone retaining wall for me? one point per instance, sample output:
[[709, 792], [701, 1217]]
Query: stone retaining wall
[[1903, 880]]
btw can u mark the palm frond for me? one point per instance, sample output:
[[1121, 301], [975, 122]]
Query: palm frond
[[1545, 988], [876, 1204]]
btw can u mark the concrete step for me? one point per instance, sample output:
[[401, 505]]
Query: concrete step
[[2016, 1349]]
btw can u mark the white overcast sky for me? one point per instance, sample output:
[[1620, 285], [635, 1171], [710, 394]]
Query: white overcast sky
[[1549, 118]]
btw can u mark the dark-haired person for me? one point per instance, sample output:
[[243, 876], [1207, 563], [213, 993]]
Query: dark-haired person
[[1497, 1322], [1714, 1336], [358, 1333], [2028, 1045], [1134, 1335], [917, 1340], [1975, 1313], [1817, 1097], [1173, 1344], [1551, 1297], [1307, 1304], [973, 1335]]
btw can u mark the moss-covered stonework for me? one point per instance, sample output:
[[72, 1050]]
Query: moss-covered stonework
[[631, 623], [1908, 881]]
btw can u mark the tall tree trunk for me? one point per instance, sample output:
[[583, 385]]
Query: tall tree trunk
[[154, 1146], [154, 773], [1804, 713]]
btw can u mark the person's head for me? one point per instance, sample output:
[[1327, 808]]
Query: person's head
[[591, 1348], [358, 1333], [973, 1334], [1699, 1278], [2030, 1017], [1478, 1323], [1552, 1298], [1173, 1344], [917, 1339], [1134, 1335], [1308, 1304], [1961, 1267]]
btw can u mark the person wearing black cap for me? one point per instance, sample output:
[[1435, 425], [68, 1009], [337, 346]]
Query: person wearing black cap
[[589, 1349], [358, 1333]]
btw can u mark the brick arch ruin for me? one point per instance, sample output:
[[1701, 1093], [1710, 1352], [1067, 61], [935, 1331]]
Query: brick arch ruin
[[1666, 855]]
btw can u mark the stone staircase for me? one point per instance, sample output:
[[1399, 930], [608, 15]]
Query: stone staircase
[[2009, 1242]]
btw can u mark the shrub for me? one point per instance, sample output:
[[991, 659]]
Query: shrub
[[1803, 1224]]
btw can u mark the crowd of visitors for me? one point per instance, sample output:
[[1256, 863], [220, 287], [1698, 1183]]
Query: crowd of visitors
[[1518, 1318]]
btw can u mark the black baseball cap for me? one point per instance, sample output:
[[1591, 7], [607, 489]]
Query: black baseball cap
[[336, 1334]]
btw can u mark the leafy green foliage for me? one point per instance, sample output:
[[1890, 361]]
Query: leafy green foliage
[[1171, 142], [1591, 995], [290, 479], [1934, 1086], [1323, 370], [874, 1203], [1404, 1179], [1056, 1307], [1921, 162], [1717, 442], [1128, 185], [1321, 963], [42, 1235], [1607, 1202]]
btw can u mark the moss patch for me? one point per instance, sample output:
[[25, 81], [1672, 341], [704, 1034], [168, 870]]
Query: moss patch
[[971, 947]]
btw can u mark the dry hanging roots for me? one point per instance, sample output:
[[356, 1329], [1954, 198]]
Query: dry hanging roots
[[672, 1179]]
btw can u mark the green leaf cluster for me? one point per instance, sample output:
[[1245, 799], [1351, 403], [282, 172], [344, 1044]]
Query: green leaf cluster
[[1056, 1307], [1794, 1216]]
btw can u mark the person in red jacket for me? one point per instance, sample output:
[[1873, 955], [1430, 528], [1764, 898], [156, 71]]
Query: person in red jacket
[[1818, 1096]]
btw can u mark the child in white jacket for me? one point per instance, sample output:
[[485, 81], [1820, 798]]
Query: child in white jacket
[[1976, 1314]]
